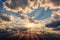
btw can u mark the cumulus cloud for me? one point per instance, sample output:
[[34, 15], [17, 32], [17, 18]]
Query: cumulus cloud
[[4, 17], [20, 21], [54, 24], [50, 3], [26, 6], [55, 15], [20, 5], [26, 22]]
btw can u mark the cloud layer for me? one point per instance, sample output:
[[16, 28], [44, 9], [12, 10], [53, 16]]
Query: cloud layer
[[27, 6], [20, 5]]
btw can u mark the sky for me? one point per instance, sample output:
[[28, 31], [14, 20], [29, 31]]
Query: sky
[[30, 17], [27, 11], [40, 13]]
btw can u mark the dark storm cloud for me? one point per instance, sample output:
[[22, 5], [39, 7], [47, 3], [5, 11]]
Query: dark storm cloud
[[56, 2], [53, 24], [17, 3]]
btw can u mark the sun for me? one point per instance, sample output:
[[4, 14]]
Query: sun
[[30, 25]]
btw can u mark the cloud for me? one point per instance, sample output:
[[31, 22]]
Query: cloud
[[17, 3], [26, 6], [53, 24], [20, 5], [55, 2], [26, 22], [52, 4], [4, 17], [55, 15], [20, 21]]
